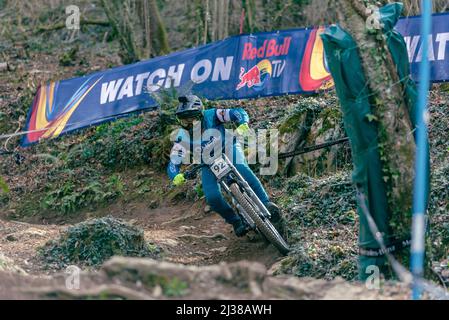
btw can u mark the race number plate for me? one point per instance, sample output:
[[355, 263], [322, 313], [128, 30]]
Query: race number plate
[[219, 167]]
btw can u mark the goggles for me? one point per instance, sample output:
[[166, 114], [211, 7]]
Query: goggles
[[188, 122]]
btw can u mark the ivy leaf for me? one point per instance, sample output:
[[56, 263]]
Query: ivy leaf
[[371, 117]]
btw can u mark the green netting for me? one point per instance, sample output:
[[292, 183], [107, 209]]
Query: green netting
[[350, 83]]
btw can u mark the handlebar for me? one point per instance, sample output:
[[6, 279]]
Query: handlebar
[[191, 174]]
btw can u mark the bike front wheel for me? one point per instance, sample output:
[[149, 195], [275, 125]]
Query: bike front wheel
[[263, 225]]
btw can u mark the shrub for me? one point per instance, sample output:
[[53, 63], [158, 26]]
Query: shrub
[[94, 241], [68, 198]]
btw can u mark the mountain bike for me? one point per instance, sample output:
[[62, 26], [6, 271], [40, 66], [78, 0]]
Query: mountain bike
[[244, 200]]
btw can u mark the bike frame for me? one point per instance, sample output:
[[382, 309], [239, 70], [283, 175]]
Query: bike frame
[[231, 175], [226, 174], [247, 204]]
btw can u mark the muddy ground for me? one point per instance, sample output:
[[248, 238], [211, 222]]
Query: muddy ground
[[197, 247]]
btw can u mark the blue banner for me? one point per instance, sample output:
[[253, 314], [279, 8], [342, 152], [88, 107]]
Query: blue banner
[[244, 66], [438, 45]]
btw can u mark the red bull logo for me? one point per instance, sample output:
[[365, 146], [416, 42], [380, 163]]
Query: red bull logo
[[249, 78], [256, 76], [269, 48], [314, 74]]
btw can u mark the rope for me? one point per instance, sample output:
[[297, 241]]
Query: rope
[[403, 274], [312, 148]]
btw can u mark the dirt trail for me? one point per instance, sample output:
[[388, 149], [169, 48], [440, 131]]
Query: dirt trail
[[200, 253], [191, 236], [199, 250], [185, 232], [19, 242]]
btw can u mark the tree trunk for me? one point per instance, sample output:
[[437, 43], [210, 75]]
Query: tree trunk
[[226, 19], [119, 16], [396, 143], [413, 7], [147, 29], [221, 19], [213, 17], [249, 13], [206, 13], [159, 34], [139, 27]]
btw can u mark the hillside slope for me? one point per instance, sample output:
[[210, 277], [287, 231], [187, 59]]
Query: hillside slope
[[117, 169]]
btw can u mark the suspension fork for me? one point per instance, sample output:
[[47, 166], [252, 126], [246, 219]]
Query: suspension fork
[[240, 209], [249, 191]]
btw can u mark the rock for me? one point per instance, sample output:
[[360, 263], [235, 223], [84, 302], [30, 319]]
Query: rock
[[186, 228], [157, 292], [8, 265], [207, 209], [289, 288], [324, 129], [140, 278], [119, 267], [342, 290], [310, 123], [255, 289], [34, 232], [291, 135], [243, 274]]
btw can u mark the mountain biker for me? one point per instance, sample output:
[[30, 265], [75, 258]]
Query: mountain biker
[[191, 114]]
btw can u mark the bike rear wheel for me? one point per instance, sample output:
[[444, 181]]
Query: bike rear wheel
[[264, 226]]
